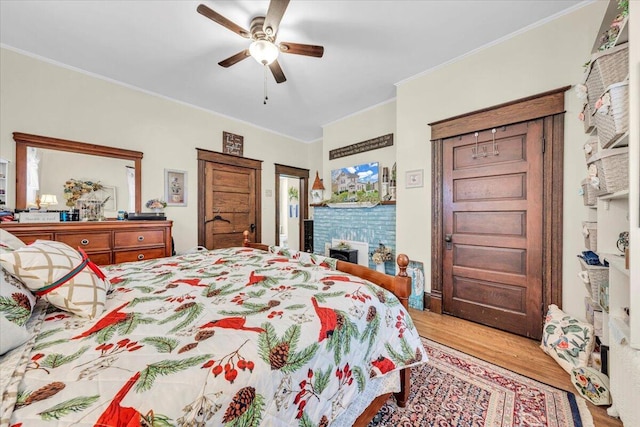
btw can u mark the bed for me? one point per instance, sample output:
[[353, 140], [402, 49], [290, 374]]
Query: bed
[[244, 336]]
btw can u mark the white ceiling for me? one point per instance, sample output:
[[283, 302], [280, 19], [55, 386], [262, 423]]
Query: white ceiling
[[167, 48]]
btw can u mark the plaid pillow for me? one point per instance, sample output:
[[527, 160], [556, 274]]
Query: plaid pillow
[[60, 275]]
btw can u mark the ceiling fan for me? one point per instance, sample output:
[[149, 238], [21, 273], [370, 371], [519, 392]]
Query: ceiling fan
[[263, 33]]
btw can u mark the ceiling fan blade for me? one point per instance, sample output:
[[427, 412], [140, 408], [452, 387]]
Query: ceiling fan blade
[[235, 58], [277, 72], [216, 17], [274, 16], [302, 49]]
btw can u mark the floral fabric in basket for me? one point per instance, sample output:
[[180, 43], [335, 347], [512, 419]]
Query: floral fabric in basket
[[592, 384]]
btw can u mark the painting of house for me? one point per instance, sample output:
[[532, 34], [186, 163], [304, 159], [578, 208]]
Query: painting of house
[[350, 182]]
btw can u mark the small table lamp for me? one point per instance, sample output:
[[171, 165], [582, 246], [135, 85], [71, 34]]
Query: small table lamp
[[47, 200]]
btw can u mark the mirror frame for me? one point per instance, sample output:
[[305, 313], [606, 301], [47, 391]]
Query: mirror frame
[[24, 140]]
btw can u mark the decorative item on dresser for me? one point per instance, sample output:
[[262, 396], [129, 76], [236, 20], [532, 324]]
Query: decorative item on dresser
[[106, 242]]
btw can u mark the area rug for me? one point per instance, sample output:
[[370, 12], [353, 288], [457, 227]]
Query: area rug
[[455, 389]]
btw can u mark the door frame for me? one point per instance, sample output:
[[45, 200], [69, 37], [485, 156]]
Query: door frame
[[205, 156], [303, 175], [550, 107]]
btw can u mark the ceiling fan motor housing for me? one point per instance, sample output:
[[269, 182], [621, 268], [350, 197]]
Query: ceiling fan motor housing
[[258, 31]]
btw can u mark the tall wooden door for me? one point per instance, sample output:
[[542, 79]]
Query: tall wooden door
[[229, 199], [493, 227]]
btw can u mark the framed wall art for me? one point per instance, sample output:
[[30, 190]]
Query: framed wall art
[[175, 187], [356, 183], [414, 179]]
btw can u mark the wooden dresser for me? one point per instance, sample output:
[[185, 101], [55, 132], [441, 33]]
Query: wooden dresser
[[106, 242]]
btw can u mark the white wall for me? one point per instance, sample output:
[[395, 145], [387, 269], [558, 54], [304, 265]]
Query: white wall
[[376, 121], [541, 59], [41, 98]]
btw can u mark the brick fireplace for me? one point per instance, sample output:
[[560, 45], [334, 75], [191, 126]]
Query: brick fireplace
[[362, 228]]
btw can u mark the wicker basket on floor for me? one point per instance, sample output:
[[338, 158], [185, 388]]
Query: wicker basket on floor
[[612, 170], [606, 68], [598, 277], [590, 233], [589, 196]]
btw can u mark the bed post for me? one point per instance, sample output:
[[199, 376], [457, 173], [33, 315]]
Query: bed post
[[402, 289]]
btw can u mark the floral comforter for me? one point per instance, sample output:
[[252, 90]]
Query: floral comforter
[[233, 337]]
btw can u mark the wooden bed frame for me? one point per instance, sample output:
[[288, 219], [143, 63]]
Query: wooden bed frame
[[400, 286]]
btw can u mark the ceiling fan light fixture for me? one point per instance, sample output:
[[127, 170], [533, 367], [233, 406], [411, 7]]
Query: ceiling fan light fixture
[[263, 51]]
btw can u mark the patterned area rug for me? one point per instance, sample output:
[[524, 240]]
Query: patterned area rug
[[455, 389]]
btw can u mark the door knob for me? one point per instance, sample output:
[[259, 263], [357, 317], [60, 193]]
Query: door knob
[[252, 227], [447, 238]]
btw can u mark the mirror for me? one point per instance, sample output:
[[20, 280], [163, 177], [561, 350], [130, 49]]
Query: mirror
[[24, 141]]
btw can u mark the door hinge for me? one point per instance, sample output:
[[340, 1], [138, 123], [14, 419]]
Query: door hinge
[[544, 144]]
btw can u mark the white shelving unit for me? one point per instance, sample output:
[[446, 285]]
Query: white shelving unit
[[612, 215]]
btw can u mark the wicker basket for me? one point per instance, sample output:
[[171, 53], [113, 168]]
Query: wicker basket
[[613, 124], [591, 147], [589, 196], [590, 233], [603, 295], [613, 170], [587, 118], [597, 278], [606, 68]]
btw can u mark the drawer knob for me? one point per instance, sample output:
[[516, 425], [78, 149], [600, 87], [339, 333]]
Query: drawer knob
[[140, 257], [85, 242], [140, 238]]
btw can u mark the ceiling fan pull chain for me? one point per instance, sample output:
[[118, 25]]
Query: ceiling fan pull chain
[[265, 85]]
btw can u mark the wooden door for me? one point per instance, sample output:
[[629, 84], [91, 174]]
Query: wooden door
[[493, 228], [229, 200]]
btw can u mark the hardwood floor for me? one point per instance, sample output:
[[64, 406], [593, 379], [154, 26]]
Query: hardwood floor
[[513, 352]]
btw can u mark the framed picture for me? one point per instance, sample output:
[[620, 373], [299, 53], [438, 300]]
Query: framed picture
[[352, 184], [414, 179], [175, 187]]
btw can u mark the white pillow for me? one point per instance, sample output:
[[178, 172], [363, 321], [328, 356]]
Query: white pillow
[[59, 274], [12, 335], [566, 339], [10, 240], [16, 306]]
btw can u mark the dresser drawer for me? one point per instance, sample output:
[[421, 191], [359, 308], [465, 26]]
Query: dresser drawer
[[29, 238], [87, 241], [100, 258], [138, 238], [139, 255]]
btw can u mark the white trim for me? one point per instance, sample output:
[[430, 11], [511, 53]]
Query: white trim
[[497, 41], [358, 112], [136, 88]]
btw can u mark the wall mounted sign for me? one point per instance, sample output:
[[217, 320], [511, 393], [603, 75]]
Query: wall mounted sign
[[361, 147], [232, 143]]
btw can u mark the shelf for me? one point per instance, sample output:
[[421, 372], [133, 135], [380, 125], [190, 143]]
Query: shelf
[[623, 141], [615, 261], [618, 195]]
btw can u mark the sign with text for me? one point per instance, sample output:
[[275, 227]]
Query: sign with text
[[232, 143], [361, 147]]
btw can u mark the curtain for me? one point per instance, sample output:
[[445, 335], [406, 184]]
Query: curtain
[[131, 184], [33, 174]]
